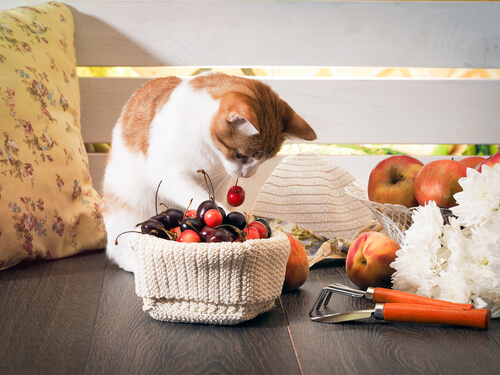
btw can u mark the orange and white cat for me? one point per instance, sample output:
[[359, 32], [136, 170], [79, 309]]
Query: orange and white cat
[[171, 127]]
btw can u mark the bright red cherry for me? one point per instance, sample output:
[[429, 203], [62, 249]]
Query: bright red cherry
[[191, 213], [189, 236], [251, 233], [260, 227], [235, 195], [213, 218]]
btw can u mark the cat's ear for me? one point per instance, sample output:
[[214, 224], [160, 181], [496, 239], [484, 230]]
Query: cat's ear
[[238, 109], [243, 125], [296, 126]]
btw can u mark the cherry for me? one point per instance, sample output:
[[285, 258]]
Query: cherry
[[206, 232], [176, 231], [191, 223], [189, 236], [235, 195], [204, 207], [237, 219], [191, 213], [262, 229], [151, 227], [264, 221], [213, 218], [219, 235], [251, 233], [222, 212]]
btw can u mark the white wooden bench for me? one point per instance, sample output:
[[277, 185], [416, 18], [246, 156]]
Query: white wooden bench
[[304, 33]]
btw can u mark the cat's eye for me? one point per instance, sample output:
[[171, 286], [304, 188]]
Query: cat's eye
[[239, 155]]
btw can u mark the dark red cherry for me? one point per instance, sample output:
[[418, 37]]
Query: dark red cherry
[[264, 221], [223, 213], [170, 218], [154, 228], [192, 223], [206, 232], [219, 235], [204, 207], [237, 219]]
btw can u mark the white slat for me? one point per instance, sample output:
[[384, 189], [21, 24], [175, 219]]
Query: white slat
[[250, 33], [347, 111]]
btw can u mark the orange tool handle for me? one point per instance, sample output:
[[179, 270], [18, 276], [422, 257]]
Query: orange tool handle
[[403, 312], [383, 295]]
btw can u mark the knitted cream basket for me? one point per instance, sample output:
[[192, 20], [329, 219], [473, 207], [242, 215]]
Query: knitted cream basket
[[212, 283]]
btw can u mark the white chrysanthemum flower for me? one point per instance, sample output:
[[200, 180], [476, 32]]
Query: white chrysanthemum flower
[[494, 265], [459, 261], [452, 286], [479, 202], [427, 225], [422, 256]]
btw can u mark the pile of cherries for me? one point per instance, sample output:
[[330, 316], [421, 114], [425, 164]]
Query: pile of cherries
[[208, 223]]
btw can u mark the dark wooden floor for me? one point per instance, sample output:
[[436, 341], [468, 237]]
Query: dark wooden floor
[[81, 316]]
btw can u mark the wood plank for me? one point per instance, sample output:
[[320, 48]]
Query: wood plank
[[47, 311], [177, 33], [449, 111], [378, 347], [128, 341]]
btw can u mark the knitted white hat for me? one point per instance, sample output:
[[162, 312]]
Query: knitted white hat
[[308, 190]]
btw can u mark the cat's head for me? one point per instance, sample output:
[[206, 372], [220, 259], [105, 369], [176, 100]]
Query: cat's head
[[250, 127]]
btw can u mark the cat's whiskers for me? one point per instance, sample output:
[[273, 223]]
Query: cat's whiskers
[[220, 179]]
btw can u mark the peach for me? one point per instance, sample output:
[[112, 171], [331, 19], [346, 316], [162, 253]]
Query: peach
[[297, 267], [369, 258]]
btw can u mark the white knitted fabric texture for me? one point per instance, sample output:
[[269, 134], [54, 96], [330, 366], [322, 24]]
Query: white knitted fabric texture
[[308, 190], [213, 283]]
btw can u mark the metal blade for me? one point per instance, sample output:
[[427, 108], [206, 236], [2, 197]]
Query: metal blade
[[343, 289], [343, 316]]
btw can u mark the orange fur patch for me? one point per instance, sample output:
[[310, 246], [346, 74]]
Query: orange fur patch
[[141, 109], [257, 102], [112, 202]]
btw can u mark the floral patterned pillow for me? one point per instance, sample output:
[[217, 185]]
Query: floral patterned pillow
[[48, 207]]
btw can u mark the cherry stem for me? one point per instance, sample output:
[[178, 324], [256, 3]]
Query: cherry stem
[[187, 208], [128, 231], [236, 185], [210, 186], [156, 197]]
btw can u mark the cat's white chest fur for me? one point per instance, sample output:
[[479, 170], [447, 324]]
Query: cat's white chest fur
[[179, 145]]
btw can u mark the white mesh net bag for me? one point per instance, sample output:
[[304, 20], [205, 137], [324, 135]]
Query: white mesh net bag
[[394, 218]]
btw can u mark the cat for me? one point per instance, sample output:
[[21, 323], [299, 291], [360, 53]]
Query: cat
[[172, 127]]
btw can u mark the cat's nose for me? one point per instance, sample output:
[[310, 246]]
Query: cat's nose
[[248, 173]]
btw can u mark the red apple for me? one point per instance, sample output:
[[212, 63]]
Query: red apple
[[391, 181], [491, 161], [297, 267], [472, 161], [369, 260], [438, 181]]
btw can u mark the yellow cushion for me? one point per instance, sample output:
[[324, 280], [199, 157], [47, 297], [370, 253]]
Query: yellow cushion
[[48, 207]]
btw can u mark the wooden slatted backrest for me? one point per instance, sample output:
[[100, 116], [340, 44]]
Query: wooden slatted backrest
[[305, 33]]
